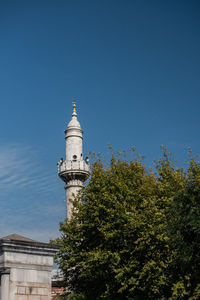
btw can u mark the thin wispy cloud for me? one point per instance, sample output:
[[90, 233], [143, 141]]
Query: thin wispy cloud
[[19, 168], [32, 201]]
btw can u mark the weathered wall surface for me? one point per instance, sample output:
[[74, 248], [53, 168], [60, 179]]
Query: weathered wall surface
[[30, 284]]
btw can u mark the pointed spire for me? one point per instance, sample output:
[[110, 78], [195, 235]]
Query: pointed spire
[[74, 109], [74, 121]]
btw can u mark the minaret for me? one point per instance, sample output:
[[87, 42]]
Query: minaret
[[74, 170]]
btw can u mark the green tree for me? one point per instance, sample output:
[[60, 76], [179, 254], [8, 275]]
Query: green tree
[[126, 236], [184, 230]]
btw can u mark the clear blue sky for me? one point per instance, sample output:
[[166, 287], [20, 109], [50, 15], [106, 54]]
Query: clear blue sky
[[134, 68]]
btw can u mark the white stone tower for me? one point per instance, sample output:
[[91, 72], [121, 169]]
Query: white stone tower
[[74, 170]]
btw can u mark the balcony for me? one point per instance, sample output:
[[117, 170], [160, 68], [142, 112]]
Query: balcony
[[73, 168]]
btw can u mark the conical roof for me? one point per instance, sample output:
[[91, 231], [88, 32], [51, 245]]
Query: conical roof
[[74, 123]]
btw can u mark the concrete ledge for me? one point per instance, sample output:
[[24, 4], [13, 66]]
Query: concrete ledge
[[28, 247]]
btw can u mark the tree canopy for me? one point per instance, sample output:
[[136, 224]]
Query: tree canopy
[[134, 233]]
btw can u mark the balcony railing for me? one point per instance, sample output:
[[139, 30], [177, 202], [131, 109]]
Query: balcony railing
[[73, 165]]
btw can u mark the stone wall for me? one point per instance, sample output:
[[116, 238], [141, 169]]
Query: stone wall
[[32, 292], [25, 269]]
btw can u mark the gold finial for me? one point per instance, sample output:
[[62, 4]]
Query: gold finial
[[74, 107]]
